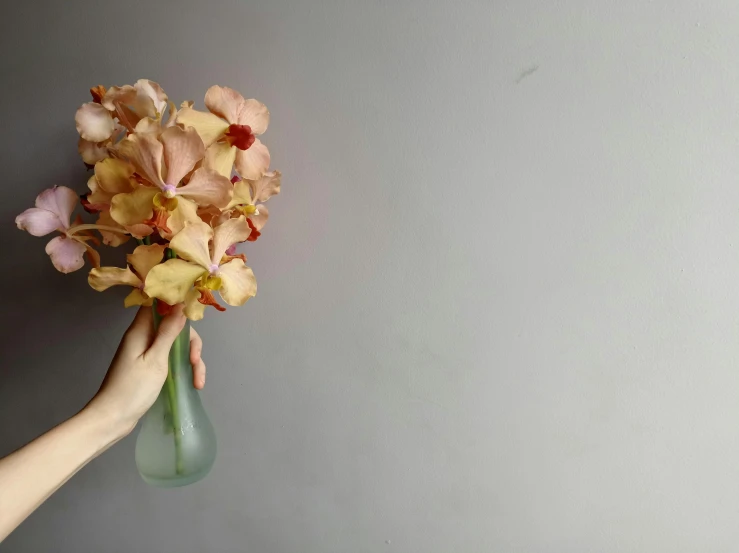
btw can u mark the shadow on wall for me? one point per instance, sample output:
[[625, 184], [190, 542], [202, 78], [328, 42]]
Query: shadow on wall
[[58, 335]]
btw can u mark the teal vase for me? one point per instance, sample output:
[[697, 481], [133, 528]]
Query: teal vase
[[176, 445]]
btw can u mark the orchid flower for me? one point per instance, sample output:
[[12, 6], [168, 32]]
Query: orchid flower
[[116, 110], [249, 197], [230, 132], [202, 270], [112, 176], [128, 104], [163, 162], [91, 151], [53, 211], [140, 263]]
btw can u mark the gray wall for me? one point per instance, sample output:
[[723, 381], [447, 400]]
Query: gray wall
[[498, 297]]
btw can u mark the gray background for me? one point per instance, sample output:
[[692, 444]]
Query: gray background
[[498, 296]]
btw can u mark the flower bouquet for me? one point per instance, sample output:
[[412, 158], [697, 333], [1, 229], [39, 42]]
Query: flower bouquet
[[189, 188]]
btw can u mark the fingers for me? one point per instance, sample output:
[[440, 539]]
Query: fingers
[[139, 334], [198, 366], [169, 328]]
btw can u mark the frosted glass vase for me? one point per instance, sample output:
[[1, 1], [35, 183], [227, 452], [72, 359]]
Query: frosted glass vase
[[176, 445]]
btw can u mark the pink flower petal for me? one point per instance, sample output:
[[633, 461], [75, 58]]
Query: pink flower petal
[[224, 102], [38, 222], [151, 89], [255, 114], [266, 186], [94, 122], [92, 152], [260, 219], [60, 200], [144, 152], [254, 162], [208, 187], [66, 254], [182, 150]]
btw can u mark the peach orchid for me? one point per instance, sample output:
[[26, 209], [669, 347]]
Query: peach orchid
[[230, 132], [162, 163]]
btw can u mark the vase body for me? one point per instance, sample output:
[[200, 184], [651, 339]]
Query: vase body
[[176, 444]]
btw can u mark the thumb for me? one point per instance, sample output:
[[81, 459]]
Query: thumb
[[169, 328]]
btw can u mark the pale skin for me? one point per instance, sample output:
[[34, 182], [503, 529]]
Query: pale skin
[[135, 377]]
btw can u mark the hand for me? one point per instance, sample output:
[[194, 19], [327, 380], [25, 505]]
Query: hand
[[139, 369]]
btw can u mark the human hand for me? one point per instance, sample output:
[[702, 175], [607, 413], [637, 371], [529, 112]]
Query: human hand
[[139, 369]]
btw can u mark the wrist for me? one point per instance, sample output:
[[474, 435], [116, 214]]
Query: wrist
[[104, 423]]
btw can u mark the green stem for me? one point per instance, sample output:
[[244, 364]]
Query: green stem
[[170, 385], [175, 363]]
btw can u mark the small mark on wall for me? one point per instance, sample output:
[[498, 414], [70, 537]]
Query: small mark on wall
[[527, 72]]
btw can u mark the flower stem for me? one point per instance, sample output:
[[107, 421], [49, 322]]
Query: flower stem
[[79, 228], [175, 364], [170, 385]]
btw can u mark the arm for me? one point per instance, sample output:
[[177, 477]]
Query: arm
[[31, 474]]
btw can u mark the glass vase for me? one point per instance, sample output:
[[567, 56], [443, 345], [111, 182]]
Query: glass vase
[[176, 445]]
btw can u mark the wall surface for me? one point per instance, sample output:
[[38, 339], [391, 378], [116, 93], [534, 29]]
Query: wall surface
[[498, 301]]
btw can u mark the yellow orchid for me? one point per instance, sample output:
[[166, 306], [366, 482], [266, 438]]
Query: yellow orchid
[[230, 132], [202, 268], [163, 162], [140, 263]]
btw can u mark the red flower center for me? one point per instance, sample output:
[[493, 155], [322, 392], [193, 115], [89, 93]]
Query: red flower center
[[240, 136]]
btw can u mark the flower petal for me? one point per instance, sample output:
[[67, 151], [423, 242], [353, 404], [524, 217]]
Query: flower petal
[[94, 122], [148, 125], [242, 194], [114, 175], [60, 200], [129, 104], [207, 187], [224, 102], [255, 114], [170, 281], [210, 127], [266, 186], [151, 89], [226, 235], [103, 278], [135, 207], [38, 222], [238, 281], [259, 219], [113, 239], [254, 162], [144, 258], [144, 152], [140, 230], [220, 157], [182, 150], [185, 212], [98, 199], [191, 243], [92, 152], [194, 310], [137, 297], [66, 254]]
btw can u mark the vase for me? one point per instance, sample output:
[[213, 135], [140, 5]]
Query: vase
[[176, 445]]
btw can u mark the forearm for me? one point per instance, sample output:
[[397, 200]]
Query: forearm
[[31, 474]]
